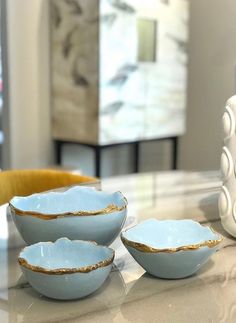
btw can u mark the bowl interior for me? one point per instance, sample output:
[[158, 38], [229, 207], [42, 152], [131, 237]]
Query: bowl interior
[[78, 198], [169, 233], [65, 253]]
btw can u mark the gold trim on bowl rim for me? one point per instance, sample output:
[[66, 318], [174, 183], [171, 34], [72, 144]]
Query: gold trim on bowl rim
[[148, 249], [44, 216], [62, 271]]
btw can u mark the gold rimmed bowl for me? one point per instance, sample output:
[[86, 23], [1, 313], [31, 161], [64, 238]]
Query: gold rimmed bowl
[[66, 269], [78, 213], [171, 249]]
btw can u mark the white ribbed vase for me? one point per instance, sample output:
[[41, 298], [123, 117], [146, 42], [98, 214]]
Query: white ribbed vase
[[227, 198]]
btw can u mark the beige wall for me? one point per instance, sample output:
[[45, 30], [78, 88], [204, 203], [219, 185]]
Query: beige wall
[[28, 58], [212, 75]]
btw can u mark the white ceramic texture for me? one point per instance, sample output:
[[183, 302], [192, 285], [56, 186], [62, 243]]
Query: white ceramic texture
[[102, 228], [164, 236], [227, 198], [66, 254], [227, 164]]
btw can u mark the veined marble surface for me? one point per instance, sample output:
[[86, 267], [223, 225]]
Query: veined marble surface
[[131, 295]]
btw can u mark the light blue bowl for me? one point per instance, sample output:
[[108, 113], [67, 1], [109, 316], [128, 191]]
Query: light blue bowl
[[66, 269], [79, 213], [171, 248]]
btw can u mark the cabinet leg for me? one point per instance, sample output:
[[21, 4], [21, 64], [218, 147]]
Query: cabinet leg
[[58, 152], [136, 157], [174, 153], [97, 161]]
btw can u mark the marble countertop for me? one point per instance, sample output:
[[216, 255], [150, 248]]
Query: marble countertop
[[131, 295]]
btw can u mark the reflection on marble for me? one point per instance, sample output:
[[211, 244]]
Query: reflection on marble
[[131, 295], [111, 295], [101, 92]]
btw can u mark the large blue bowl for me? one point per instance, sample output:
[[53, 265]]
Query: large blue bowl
[[79, 213], [171, 248]]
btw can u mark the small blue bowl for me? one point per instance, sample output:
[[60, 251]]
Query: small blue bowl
[[80, 213], [171, 249], [66, 269]]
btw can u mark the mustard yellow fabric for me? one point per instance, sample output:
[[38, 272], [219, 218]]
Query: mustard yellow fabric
[[26, 182]]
